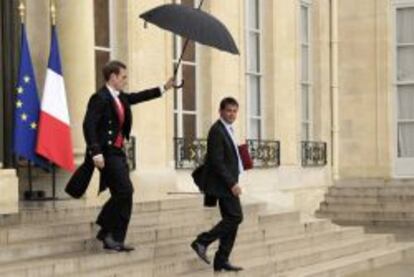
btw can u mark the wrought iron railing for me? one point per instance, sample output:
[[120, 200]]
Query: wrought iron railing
[[264, 153], [129, 148], [314, 153], [189, 153]]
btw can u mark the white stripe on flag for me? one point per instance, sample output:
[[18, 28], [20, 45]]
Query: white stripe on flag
[[54, 97]]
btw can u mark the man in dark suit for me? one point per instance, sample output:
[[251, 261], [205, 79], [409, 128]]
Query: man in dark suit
[[106, 125], [221, 175]]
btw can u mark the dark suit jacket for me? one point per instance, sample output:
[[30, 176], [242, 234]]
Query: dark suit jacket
[[221, 164], [100, 128]]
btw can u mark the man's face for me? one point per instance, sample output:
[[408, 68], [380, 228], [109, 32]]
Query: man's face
[[229, 113], [119, 81]]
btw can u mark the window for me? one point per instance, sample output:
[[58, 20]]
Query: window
[[306, 85], [185, 99], [405, 80], [102, 17], [254, 69]]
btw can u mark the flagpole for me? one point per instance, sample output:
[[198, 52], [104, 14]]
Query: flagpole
[[29, 195], [53, 12], [22, 11], [53, 21]]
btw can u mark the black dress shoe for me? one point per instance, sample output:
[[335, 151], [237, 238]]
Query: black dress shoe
[[101, 234], [127, 248], [226, 267], [201, 251], [110, 244]]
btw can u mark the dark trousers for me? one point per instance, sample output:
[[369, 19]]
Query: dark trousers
[[116, 213], [225, 230]]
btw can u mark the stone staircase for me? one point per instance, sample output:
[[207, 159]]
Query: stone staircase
[[382, 203], [58, 239]]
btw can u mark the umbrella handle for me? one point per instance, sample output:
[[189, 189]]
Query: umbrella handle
[[180, 85]]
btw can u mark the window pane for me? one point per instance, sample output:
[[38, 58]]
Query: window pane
[[254, 95], [101, 10], [304, 24], [175, 45], [254, 130], [189, 3], [176, 125], [406, 102], [305, 131], [405, 56], [254, 53], [253, 14], [305, 103], [101, 58], [305, 63], [406, 140], [189, 126], [405, 25], [189, 89], [189, 54]]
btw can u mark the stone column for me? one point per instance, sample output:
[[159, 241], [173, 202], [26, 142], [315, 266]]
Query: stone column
[[75, 22]]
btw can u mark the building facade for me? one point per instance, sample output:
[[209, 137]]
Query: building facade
[[324, 88]]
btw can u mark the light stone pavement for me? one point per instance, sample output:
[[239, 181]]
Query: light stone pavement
[[405, 268]]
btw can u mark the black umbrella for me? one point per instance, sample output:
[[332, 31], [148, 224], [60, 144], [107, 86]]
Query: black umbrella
[[193, 24]]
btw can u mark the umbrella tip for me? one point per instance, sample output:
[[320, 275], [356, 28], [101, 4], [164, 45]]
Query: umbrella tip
[[145, 24]]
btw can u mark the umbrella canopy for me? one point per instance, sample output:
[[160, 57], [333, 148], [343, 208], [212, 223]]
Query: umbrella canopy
[[193, 24]]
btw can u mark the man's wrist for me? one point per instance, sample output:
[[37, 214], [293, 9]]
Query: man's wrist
[[97, 157]]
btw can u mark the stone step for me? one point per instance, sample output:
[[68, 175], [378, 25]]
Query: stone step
[[373, 182], [86, 225], [369, 218], [401, 200], [355, 263], [385, 191], [190, 265], [56, 245], [363, 207], [276, 263], [342, 211], [36, 212], [163, 238], [44, 247]]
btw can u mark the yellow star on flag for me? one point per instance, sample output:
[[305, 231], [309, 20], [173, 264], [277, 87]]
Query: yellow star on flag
[[24, 117], [19, 90], [33, 125], [26, 79], [19, 104]]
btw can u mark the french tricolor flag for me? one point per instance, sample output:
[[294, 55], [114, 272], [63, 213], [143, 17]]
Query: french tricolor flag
[[54, 140]]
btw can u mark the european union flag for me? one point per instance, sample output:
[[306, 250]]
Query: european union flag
[[27, 107]]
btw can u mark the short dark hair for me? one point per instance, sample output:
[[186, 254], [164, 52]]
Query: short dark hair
[[112, 67], [228, 101]]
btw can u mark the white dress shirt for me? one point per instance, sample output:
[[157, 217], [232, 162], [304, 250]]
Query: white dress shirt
[[230, 131]]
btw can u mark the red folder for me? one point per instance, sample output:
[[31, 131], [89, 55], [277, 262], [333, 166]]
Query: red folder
[[245, 157]]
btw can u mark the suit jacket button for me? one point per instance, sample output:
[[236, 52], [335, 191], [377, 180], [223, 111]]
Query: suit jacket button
[[110, 142], [110, 132]]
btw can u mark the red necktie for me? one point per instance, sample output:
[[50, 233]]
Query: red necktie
[[119, 141]]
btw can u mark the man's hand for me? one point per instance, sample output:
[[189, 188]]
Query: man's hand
[[236, 190], [169, 84], [99, 161]]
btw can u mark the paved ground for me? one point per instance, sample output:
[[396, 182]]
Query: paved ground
[[404, 268]]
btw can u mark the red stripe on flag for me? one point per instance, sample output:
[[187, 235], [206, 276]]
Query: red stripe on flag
[[54, 141]]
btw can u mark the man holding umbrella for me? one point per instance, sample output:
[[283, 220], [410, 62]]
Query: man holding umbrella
[[107, 123]]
